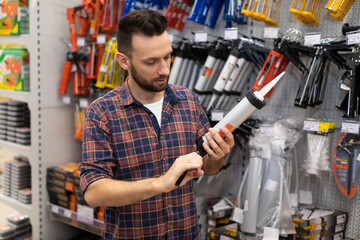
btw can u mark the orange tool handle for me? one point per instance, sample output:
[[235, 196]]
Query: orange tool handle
[[91, 63], [170, 9], [65, 77], [72, 27]]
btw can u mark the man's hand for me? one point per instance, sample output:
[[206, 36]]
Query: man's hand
[[192, 162], [217, 150]]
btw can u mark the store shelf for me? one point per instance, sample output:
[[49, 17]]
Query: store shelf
[[13, 203], [16, 95], [69, 217], [18, 148], [16, 39]]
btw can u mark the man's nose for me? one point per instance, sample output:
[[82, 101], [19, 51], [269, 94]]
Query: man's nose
[[164, 68]]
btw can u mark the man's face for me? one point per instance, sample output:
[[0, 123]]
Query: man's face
[[150, 62]]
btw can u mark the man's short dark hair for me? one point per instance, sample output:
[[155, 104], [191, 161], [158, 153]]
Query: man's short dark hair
[[145, 22]]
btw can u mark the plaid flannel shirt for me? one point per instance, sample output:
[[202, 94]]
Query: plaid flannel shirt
[[122, 140]]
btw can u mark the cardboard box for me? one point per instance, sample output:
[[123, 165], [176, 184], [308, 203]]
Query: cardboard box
[[14, 17], [14, 67]]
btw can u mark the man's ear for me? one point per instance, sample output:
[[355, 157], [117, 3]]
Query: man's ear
[[123, 60]]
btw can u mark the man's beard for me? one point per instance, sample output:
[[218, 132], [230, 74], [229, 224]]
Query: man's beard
[[143, 83]]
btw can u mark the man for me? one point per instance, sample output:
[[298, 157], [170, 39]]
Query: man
[[141, 137]]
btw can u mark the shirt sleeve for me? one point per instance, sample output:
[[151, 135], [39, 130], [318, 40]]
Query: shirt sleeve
[[97, 156], [203, 123]]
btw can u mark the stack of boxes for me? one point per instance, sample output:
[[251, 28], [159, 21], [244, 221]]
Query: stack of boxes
[[320, 223], [17, 179], [14, 67], [14, 17], [15, 122], [63, 185], [17, 227], [220, 225]]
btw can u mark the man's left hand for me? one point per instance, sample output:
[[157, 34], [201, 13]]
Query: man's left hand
[[217, 150]]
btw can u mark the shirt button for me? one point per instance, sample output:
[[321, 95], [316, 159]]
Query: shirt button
[[151, 115], [168, 204], [163, 159]]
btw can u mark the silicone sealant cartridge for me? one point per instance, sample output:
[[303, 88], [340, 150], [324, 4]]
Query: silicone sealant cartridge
[[224, 76], [206, 71], [234, 77], [253, 101], [183, 68], [194, 75], [184, 81], [175, 68]]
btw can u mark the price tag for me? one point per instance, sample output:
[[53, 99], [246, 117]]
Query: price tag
[[101, 39], [83, 102], [80, 41], [267, 130], [350, 127], [312, 126], [67, 213], [271, 185], [271, 32], [217, 115], [237, 215], [200, 37], [231, 33], [66, 99], [55, 209], [271, 233], [85, 214], [171, 36], [353, 38], [311, 39]]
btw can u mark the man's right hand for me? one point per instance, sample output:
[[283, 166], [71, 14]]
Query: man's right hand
[[192, 162]]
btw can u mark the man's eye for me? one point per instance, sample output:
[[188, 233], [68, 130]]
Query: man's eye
[[150, 63]]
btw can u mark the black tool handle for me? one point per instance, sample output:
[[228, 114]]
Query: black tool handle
[[201, 151], [347, 28]]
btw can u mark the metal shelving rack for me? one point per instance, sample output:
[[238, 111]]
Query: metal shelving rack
[[52, 130]]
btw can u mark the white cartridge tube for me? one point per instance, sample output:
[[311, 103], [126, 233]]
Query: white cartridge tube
[[214, 75], [194, 75], [253, 101], [252, 195], [182, 71], [247, 75], [242, 111], [213, 99], [189, 69], [226, 71], [175, 69], [205, 73], [220, 101], [244, 75], [234, 75]]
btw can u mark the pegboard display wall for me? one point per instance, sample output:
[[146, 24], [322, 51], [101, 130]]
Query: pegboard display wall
[[325, 190]]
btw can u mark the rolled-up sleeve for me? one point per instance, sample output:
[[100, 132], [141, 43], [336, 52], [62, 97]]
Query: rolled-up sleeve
[[203, 121], [97, 156]]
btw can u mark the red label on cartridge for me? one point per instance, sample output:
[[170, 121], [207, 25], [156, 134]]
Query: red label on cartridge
[[206, 72], [229, 127]]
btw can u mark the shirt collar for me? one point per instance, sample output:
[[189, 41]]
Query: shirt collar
[[126, 98]]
